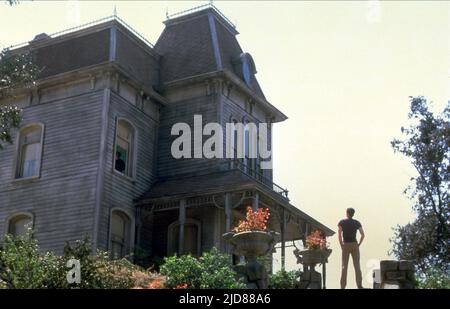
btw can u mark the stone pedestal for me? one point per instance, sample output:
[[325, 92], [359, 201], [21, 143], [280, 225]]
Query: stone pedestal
[[252, 244], [312, 279], [254, 275]]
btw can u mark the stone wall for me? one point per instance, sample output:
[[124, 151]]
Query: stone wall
[[397, 274]]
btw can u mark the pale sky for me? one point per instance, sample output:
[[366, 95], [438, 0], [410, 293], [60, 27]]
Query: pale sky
[[341, 71]]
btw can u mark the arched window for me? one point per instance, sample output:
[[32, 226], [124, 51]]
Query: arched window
[[124, 148], [192, 236], [120, 234], [29, 151], [19, 224]]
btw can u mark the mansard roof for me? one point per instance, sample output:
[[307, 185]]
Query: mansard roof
[[193, 44], [198, 43]]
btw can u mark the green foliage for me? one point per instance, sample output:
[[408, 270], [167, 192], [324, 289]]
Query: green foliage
[[98, 271], [435, 278], [213, 270], [427, 145], [285, 279], [217, 271], [185, 269], [16, 70], [9, 119], [23, 266]]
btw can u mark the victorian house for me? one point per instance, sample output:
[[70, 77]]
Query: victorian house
[[93, 153]]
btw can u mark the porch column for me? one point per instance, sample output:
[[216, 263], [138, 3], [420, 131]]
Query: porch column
[[138, 220], [283, 242], [227, 218], [227, 212], [182, 220], [307, 232], [256, 201]]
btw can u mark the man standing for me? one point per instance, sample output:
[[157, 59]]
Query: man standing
[[349, 245]]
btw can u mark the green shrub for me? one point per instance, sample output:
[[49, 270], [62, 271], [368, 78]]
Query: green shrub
[[23, 266], [98, 271], [213, 270], [434, 278], [285, 279]]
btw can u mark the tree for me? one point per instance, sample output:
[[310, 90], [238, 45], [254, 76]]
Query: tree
[[16, 71], [427, 144]]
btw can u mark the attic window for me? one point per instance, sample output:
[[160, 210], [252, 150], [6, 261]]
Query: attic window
[[248, 67]]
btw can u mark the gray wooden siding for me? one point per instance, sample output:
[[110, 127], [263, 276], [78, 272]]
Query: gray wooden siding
[[231, 110], [62, 199], [184, 111], [119, 191]]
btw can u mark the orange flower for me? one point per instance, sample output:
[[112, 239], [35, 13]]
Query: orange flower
[[254, 220], [316, 240], [182, 286], [156, 284]]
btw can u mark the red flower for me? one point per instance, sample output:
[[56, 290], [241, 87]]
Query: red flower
[[254, 220], [316, 241], [182, 286]]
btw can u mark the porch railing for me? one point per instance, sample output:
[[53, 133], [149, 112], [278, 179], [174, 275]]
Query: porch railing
[[242, 165]]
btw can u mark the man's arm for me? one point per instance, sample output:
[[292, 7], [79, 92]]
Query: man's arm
[[361, 231], [341, 242]]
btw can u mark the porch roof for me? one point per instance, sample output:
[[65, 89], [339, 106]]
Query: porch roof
[[219, 182]]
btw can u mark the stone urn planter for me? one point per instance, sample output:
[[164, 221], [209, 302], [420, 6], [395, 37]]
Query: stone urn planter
[[311, 279], [251, 245], [312, 257]]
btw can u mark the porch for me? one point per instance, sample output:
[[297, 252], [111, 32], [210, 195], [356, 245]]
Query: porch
[[190, 214]]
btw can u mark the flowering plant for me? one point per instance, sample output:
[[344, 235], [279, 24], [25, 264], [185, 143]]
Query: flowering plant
[[254, 221], [316, 240]]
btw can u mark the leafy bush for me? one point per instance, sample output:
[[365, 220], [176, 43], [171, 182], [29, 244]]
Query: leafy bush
[[98, 271], [213, 270], [434, 278], [285, 279], [23, 266]]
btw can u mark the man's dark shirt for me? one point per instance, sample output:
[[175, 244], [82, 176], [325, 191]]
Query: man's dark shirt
[[120, 165], [349, 228]]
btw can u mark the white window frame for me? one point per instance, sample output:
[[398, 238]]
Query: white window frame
[[131, 229], [10, 219], [18, 153], [133, 150]]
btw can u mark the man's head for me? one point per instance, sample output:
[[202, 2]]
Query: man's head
[[117, 155], [350, 213]]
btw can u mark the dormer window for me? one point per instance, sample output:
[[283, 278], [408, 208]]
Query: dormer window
[[248, 68]]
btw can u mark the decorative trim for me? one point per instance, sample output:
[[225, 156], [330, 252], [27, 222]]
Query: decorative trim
[[112, 43], [215, 41]]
